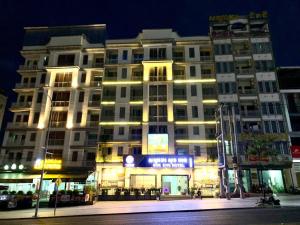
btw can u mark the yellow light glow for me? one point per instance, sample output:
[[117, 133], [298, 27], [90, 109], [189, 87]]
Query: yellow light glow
[[119, 123], [122, 142], [161, 63], [170, 113], [180, 102], [108, 103], [136, 102], [121, 82], [195, 122], [210, 101], [196, 141], [69, 125], [195, 81], [41, 126], [50, 164], [145, 114]]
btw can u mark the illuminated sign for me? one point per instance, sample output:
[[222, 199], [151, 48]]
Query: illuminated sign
[[158, 161], [157, 143], [50, 164]]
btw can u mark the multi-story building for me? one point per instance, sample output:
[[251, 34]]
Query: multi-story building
[[247, 82], [58, 102], [3, 100], [289, 84], [157, 126]]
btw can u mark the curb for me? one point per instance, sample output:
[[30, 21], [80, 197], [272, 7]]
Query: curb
[[128, 213]]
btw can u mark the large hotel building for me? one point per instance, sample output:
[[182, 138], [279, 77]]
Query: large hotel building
[[141, 112]]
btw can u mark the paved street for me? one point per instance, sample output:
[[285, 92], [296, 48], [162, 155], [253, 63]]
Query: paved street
[[116, 207], [219, 217]]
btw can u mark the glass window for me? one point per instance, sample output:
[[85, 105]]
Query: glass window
[[36, 117], [85, 60], [192, 52], [274, 127], [192, 71], [278, 108], [125, 54], [83, 77], [43, 78], [81, 96], [194, 111], [29, 156], [267, 86], [32, 136], [121, 130], [120, 150], [78, 117], [74, 156], [281, 126], [271, 108], [197, 150], [123, 92], [264, 108], [196, 131], [193, 90], [267, 126], [77, 136], [39, 97], [124, 73], [122, 112]]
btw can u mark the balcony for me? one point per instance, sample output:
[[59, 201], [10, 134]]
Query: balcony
[[247, 71], [108, 78], [242, 52], [180, 117], [158, 98], [179, 97], [135, 118], [95, 83], [98, 65], [137, 76], [56, 142], [136, 137], [179, 76], [60, 103], [30, 67], [181, 136], [21, 125], [91, 142], [246, 92], [137, 60], [25, 85], [58, 124], [178, 58], [15, 143], [92, 123], [206, 58], [63, 84], [158, 118], [111, 61], [94, 104], [18, 105], [106, 137], [250, 113]]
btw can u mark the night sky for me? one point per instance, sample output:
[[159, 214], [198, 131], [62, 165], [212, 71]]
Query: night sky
[[127, 18]]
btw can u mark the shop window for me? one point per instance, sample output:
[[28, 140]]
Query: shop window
[[273, 179]]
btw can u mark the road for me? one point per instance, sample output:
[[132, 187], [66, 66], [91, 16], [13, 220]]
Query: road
[[281, 216]]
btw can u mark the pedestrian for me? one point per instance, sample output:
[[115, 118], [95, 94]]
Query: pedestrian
[[199, 193]]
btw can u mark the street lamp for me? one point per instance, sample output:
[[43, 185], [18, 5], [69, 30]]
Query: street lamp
[[44, 159]]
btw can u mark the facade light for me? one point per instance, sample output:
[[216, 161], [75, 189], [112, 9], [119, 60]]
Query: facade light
[[13, 166], [180, 102], [21, 167], [136, 102], [121, 82], [196, 122], [196, 141], [6, 167], [108, 103], [210, 101], [212, 80], [119, 123]]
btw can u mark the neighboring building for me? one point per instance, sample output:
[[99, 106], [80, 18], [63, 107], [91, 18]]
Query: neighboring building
[[157, 114], [289, 84], [59, 92], [246, 78], [3, 100]]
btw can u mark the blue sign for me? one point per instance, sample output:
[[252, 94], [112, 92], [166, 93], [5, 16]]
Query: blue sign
[[158, 161]]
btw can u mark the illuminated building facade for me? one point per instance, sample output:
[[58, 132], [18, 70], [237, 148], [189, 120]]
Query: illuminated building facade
[[157, 113], [59, 92], [247, 84]]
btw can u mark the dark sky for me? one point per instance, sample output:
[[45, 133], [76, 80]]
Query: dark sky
[[127, 18]]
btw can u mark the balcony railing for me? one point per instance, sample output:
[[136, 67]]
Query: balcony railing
[[251, 113], [135, 137], [244, 71], [98, 65], [179, 76], [92, 123], [62, 84], [107, 78], [17, 125], [60, 103], [58, 123], [158, 98], [137, 60], [248, 92], [25, 85], [111, 61], [206, 58], [94, 104], [25, 67], [178, 58], [178, 117], [21, 105], [179, 97], [106, 137], [95, 84], [15, 143], [56, 142], [181, 136], [242, 52], [135, 118], [91, 142], [207, 76]]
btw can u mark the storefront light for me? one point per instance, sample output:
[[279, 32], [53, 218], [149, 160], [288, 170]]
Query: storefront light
[[6, 167], [13, 166], [21, 167]]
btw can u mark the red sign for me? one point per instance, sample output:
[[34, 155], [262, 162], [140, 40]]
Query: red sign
[[295, 149]]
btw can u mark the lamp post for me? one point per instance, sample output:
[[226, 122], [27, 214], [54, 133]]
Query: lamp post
[[44, 159]]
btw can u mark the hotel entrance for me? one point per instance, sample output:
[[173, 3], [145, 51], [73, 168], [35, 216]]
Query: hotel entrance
[[175, 184]]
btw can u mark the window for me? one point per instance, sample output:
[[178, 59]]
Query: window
[[281, 126], [29, 156], [158, 93], [122, 113], [197, 150], [43, 78], [10, 156], [83, 78], [121, 130], [90, 156], [157, 53], [32, 136], [78, 117], [77, 136], [225, 67], [123, 92], [120, 150], [154, 129], [36, 117], [193, 90], [278, 108], [267, 86], [264, 108], [182, 151], [192, 71], [39, 97], [222, 49], [81, 96], [196, 131], [262, 47], [124, 73], [74, 156], [192, 52], [85, 60], [66, 60], [45, 60], [19, 156], [125, 54], [267, 127], [194, 111], [271, 108], [32, 80], [264, 66], [158, 113], [274, 127], [158, 74]]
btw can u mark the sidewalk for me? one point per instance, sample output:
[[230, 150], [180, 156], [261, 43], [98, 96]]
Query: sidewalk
[[116, 207]]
